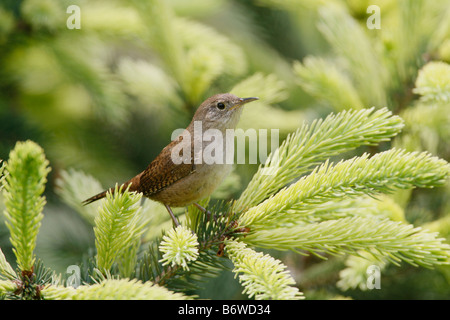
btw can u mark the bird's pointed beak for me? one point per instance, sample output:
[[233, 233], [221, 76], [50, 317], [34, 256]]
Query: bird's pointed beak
[[247, 100], [243, 101]]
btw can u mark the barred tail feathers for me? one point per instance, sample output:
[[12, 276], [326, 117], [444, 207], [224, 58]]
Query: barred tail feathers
[[133, 186]]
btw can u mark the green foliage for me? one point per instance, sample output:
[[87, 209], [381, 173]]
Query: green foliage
[[394, 241], [119, 213], [6, 286], [312, 144], [354, 177], [433, 82], [261, 275], [324, 80], [281, 222], [354, 276], [27, 170], [111, 289], [5, 268], [179, 247], [349, 41], [104, 99], [75, 186]]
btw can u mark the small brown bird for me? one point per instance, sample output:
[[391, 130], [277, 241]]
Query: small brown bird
[[180, 175]]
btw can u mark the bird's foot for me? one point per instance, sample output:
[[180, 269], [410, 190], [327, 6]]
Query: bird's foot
[[174, 219]]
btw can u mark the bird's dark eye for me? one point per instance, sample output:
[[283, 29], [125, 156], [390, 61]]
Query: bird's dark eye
[[220, 106]]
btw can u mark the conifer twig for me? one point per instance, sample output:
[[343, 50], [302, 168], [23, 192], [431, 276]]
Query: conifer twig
[[118, 228], [383, 173], [312, 144], [112, 289], [27, 170], [394, 241], [262, 276]]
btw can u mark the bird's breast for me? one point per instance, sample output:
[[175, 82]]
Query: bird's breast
[[194, 187]]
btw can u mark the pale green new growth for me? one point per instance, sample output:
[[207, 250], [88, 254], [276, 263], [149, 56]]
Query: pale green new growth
[[269, 88], [118, 229], [208, 55], [112, 289], [7, 287], [180, 246], [262, 276], [353, 46], [139, 75], [383, 173], [322, 79], [58, 292], [355, 273], [382, 206], [157, 16], [198, 35], [383, 238], [194, 54], [154, 61], [27, 169], [433, 82], [421, 19], [6, 271], [312, 144], [74, 187]]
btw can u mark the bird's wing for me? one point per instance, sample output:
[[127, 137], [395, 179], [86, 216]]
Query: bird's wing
[[163, 172]]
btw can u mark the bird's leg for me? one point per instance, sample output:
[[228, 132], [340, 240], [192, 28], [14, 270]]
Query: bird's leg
[[205, 211], [174, 219]]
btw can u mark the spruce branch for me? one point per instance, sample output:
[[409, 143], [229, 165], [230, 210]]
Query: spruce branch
[[352, 45], [93, 76], [262, 276], [391, 240], [118, 229], [112, 289], [73, 187], [175, 277], [139, 75], [323, 80], [423, 118], [7, 288], [210, 235], [28, 284], [433, 82], [57, 292], [158, 17], [27, 170], [208, 55], [6, 271], [270, 88], [419, 31], [312, 144], [382, 206], [157, 265], [194, 54], [202, 67], [383, 173], [179, 247], [355, 273], [194, 34]]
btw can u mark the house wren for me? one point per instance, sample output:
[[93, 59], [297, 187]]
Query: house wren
[[179, 180]]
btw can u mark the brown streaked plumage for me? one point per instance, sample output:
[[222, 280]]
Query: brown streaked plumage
[[178, 185]]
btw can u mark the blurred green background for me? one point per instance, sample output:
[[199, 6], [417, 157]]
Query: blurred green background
[[105, 98]]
